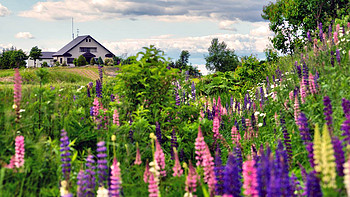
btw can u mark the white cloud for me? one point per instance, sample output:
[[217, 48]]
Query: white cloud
[[4, 11], [86, 10], [24, 35], [5, 46], [228, 25]]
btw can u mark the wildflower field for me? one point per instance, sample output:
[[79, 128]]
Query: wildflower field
[[154, 131]]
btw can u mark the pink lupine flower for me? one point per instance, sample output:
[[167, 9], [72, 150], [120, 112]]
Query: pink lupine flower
[[335, 37], [201, 115], [250, 130], [302, 90], [19, 156], [291, 95], [96, 107], [250, 178], [276, 119], [138, 156], [337, 28], [312, 84], [146, 174], [152, 186], [191, 180], [236, 136], [296, 110], [17, 93], [116, 179], [177, 167], [216, 126], [160, 158], [218, 106], [116, 118], [315, 46], [200, 147], [208, 167], [11, 165], [223, 111]]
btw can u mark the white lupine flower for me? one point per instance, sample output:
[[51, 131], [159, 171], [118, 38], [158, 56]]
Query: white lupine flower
[[260, 124]]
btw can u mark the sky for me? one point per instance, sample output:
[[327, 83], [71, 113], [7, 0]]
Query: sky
[[125, 26]]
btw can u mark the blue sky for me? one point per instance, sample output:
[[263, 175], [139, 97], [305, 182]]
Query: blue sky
[[125, 26]]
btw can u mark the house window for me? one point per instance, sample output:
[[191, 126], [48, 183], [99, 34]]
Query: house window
[[60, 60], [88, 49], [70, 60]]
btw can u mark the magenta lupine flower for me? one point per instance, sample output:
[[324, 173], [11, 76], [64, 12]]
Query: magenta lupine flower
[[177, 167], [96, 107], [216, 125], [302, 90], [11, 165], [152, 186], [335, 37], [296, 110], [65, 155], [102, 163], [191, 179], [19, 156], [116, 180], [250, 178], [17, 93], [146, 174], [160, 158], [200, 147], [312, 84], [116, 118], [138, 157], [250, 130], [208, 167], [236, 136], [328, 113]]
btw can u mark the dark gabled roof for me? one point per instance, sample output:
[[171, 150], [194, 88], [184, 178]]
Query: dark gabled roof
[[46, 55], [74, 43]]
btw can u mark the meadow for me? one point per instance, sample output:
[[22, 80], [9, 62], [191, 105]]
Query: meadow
[[150, 130]]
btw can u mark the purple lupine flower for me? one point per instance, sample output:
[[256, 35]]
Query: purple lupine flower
[[263, 169], [245, 102], [98, 89], [112, 98], [238, 106], [345, 127], [253, 121], [337, 53], [187, 73], [243, 124], [262, 96], [131, 132], [88, 92], [321, 32], [330, 31], [91, 111], [89, 177], [299, 71], [232, 177], [310, 149], [52, 87], [182, 155], [80, 183], [339, 155], [236, 124], [346, 106], [328, 113], [306, 75], [174, 143], [231, 101], [177, 99], [332, 58], [287, 141], [65, 155], [238, 156], [296, 188], [304, 127], [158, 133], [219, 173], [74, 97], [309, 36], [102, 163], [313, 187], [193, 90], [100, 73], [267, 85]]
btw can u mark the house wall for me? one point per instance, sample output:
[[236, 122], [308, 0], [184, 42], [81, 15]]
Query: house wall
[[30, 63], [101, 52]]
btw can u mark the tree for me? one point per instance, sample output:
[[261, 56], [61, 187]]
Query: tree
[[221, 58], [12, 58], [92, 61], [44, 64], [100, 61], [81, 61], [290, 20], [182, 62], [35, 53]]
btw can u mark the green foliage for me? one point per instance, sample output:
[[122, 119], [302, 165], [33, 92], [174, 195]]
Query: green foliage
[[146, 81], [108, 62], [92, 61], [100, 61], [45, 64], [81, 61], [291, 19], [12, 58], [220, 57]]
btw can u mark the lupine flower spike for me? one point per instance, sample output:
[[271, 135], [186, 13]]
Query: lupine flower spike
[[116, 180], [236, 136], [250, 176], [177, 167], [160, 158], [191, 181], [65, 155], [347, 176], [116, 118], [19, 156], [199, 147], [101, 163], [17, 94], [138, 155]]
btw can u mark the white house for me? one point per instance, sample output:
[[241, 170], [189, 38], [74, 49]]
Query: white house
[[81, 45], [45, 57]]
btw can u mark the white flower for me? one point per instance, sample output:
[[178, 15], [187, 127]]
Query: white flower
[[60, 90], [102, 192], [262, 114], [256, 113], [48, 102], [22, 110], [260, 124]]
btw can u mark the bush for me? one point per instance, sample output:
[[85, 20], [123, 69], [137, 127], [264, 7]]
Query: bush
[[81, 61], [44, 64]]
